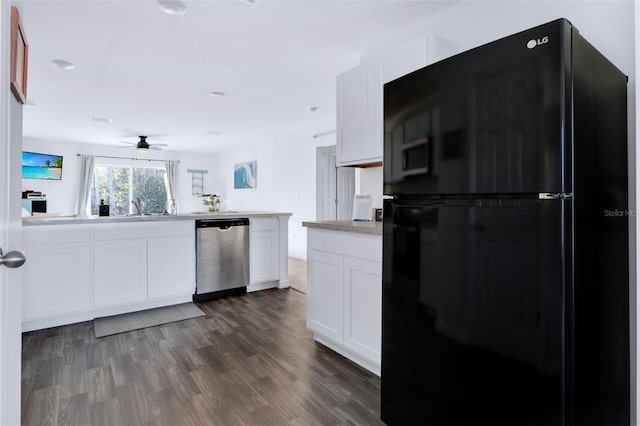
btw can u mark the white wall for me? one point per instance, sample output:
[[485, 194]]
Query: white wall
[[286, 179], [62, 194]]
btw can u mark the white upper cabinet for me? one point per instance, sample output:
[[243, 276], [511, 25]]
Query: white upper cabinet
[[360, 116], [394, 64], [355, 144]]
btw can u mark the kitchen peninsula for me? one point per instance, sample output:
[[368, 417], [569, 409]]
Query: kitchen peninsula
[[344, 288], [81, 268]]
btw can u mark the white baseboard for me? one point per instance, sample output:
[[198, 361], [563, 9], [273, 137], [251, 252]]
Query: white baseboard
[[361, 361], [58, 320]]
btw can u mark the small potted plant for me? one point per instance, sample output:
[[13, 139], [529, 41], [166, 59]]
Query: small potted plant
[[212, 202]]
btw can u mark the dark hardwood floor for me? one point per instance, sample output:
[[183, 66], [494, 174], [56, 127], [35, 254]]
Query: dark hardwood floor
[[250, 360]]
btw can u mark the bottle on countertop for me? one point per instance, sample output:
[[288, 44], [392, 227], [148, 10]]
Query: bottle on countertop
[[103, 209], [172, 207]]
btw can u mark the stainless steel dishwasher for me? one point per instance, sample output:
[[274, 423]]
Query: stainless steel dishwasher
[[222, 260]]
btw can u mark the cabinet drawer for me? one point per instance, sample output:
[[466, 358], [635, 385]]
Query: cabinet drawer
[[56, 234], [264, 224], [361, 246], [132, 230]]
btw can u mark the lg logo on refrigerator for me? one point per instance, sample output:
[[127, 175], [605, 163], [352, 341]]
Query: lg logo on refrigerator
[[537, 42]]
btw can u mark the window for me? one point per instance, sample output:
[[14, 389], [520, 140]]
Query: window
[[118, 186]]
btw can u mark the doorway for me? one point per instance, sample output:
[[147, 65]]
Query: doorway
[[335, 186]]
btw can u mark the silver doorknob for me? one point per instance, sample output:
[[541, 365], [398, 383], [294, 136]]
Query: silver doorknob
[[13, 259]]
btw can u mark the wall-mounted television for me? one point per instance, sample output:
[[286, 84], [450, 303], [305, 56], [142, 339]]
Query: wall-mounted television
[[41, 166]]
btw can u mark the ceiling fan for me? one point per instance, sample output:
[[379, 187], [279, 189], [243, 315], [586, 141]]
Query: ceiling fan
[[144, 145]]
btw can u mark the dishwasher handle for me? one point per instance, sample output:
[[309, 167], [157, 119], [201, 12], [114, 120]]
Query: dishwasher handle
[[222, 224]]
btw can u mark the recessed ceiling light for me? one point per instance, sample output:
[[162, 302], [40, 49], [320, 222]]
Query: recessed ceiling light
[[60, 63], [172, 7], [251, 1], [313, 109], [100, 119], [217, 94]]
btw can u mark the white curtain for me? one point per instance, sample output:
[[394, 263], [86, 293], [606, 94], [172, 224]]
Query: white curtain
[[172, 179], [87, 163]]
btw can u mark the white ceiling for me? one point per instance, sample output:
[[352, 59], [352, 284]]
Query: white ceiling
[[151, 73]]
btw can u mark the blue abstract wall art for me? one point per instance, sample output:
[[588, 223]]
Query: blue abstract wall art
[[244, 175]]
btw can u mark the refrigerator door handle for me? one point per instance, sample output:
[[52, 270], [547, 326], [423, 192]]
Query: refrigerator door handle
[[553, 196]]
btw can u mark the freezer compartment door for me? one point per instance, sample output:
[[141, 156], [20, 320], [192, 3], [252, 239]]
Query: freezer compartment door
[[472, 312], [487, 121]]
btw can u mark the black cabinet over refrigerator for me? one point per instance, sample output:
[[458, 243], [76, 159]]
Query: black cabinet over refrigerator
[[505, 242]]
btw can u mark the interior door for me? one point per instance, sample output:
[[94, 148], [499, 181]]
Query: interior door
[[335, 186], [10, 234], [345, 188]]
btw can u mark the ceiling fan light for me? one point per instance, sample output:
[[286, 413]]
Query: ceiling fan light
[[172, 7]]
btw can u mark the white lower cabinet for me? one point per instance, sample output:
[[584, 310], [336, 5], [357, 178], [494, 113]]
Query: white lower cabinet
[[170, 266], [80, 272], [325, 312], [344, 294], [120, 272], [77, 272], [57, 277], [363, 307], [58, 272], [264, 245]]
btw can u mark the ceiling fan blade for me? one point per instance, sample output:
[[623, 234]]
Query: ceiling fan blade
[[159, 144], [154, 148], [130, 143]]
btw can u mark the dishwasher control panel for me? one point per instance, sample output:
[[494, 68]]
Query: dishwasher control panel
[[221, 223]]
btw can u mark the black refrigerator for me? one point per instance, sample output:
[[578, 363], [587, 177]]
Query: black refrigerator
[[505, 237]]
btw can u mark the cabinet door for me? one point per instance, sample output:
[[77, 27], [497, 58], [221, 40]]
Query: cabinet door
[[394, 64], [57, 279], [172, 266], [355, 142], [120, 274], [264, 250], [363, 307], [324, 294]]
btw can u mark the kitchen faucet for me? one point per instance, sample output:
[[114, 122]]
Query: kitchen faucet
[[138, 205]]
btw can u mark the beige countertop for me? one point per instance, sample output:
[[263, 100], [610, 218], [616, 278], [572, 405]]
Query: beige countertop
[[373, 228], [70, 220]]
